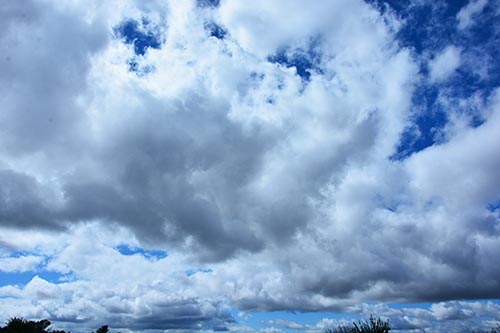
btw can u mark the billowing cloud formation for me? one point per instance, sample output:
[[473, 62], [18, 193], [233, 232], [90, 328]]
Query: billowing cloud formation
[[263, 146]]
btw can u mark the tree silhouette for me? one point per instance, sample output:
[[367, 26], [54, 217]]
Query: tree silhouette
[[21, 325]]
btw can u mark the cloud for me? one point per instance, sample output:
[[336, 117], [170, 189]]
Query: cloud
[[168, 155], [132, 292], [20, 264], [439, 317], [444, 64], [466, 14], [40, 88], [286, 324], [257, 156]]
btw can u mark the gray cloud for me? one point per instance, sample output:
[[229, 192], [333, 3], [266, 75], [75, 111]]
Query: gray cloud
[[43, 70], [23, 202]]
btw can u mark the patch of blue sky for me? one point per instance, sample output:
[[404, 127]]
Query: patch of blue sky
[[15, 278], [426, 24], [427, 120], [23, 278], [215, 30], [494, 206], [305, 61], [150, 254], [300, 61], [193, 271], [134, 65], [18, 254], [261, 320], [482, 43], [208, 3], [428, 27], [139, 34]]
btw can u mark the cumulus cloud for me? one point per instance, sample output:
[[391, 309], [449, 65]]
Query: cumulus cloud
[[444, 64], [242, 141], [129, 291], [20, 264], [452, 316], [257, 156]]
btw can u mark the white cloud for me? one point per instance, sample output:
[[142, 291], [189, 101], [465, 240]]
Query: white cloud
[[466, 175], [10, 291], [286, 324], [466, 15], [133, 290], [439, 317], [444, 64], [20, 264]]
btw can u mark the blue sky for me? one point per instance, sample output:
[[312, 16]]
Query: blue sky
[[256, 167]]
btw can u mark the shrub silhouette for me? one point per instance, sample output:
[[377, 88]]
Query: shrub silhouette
[[103, 329], [380, 326], [21, 325], [372, 326]]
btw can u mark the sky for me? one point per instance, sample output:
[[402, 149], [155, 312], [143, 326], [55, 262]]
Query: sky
[[250, 166]]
